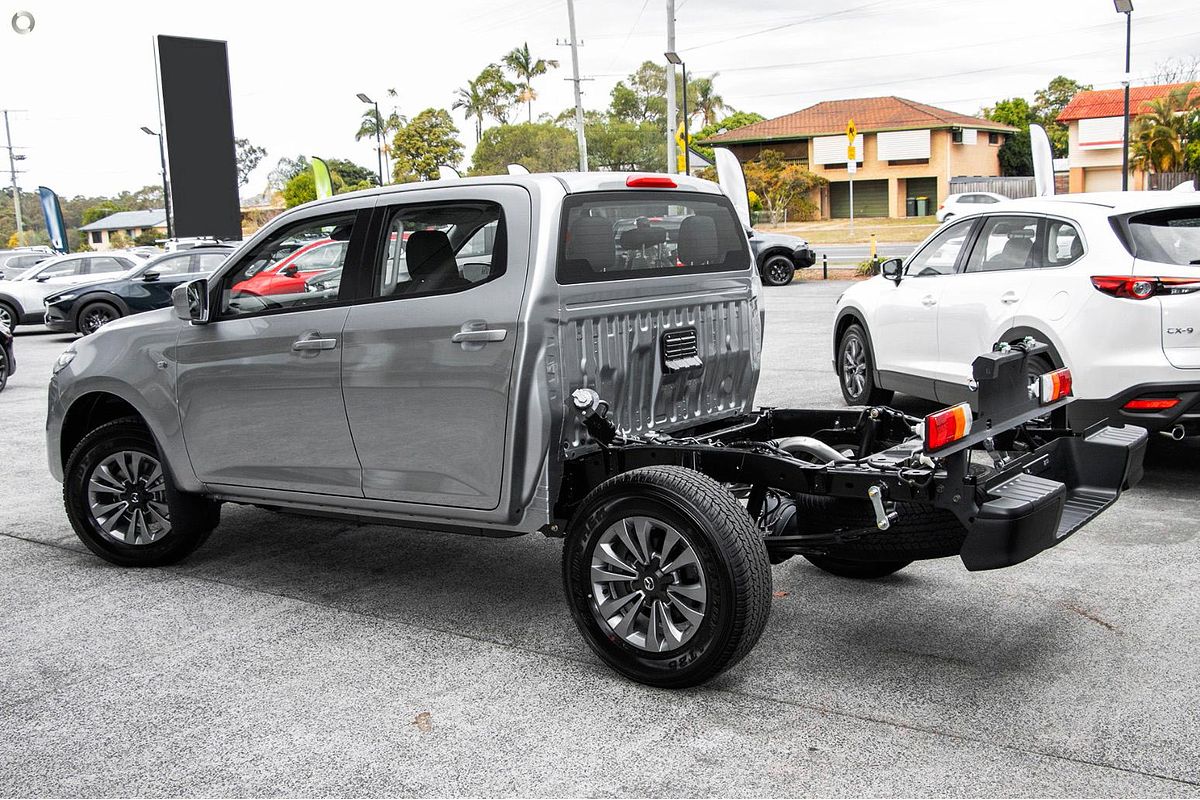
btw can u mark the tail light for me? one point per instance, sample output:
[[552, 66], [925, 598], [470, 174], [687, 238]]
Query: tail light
[[947, 426], [650, 182], [1136, 287], [1151, 404], [1054, 386], [941, 206]]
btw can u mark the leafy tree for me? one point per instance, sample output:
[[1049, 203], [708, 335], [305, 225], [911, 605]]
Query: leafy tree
[[500, 94], [738, 119], [146, 238], [374, 123], [642, 97], [300, 188], [781, 186], [429, 141], [351, 176], [1016, 154], [541, 147], [1177, 70], [1014, 111], [1159, 137], [704, 101], [286, 169], [118, 240], [101, 210], [624, 145], [1048, 103], [248, 158], [525, 68], [474, 104]]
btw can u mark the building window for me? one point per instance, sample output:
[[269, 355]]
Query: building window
[[994, 138], [96, 237], [907, 162]]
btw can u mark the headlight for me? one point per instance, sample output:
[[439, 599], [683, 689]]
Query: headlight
[[59, 298], [63, 360]]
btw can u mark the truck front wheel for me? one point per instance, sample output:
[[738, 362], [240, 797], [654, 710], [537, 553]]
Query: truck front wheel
[[666, 576]]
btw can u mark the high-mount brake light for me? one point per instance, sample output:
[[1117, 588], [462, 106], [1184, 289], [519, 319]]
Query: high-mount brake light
[[1054, 385], [947, 426], [1137, 287], [650, 182], [1151, 404]]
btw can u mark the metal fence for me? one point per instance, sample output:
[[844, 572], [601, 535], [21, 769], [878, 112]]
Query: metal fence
[[1169, 180], [1014, 188]]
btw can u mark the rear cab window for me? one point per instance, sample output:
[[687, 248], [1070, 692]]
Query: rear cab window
[[609, 236], [1169, 236]]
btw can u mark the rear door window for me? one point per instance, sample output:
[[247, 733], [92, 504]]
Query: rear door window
[[1171, 236], [609, 236], [1062, 245], [1005, 243]]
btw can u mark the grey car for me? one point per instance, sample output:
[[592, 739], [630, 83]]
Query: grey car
[[516, 367], [15, 262]]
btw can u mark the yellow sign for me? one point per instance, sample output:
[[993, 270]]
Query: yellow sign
[[851, 132], [850, 153]]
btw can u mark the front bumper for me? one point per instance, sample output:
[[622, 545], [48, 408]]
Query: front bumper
[[804, 257], [1085, 413], [59, 319], [1045, 496]]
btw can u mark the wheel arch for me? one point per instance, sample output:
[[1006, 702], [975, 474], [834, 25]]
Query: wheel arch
[[8, 299], [850, 315], [773, 250], [101, 296], [1021, 331]]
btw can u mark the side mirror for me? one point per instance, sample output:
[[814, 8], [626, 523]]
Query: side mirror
[[892, 269], [190, 301], [150, 277], [43, 278], [289, 271]]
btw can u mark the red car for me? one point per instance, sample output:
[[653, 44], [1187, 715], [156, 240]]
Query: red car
[[288, 275]]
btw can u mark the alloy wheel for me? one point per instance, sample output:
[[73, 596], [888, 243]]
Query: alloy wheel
[[854, 366], [780, 270], [6, 318], [647, 584], [94, 319], [127, 498]]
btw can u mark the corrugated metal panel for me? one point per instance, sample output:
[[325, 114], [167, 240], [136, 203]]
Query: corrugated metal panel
[[902, 145], [1014, 187], [832, 149], [870, 199], [1105, 132], [620, 356]]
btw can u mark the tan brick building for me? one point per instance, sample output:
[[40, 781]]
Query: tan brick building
[[905, 151]]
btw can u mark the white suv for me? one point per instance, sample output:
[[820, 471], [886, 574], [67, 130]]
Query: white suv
[[1108, 280]]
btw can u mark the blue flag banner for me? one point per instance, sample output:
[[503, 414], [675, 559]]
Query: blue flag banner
[[52, 211]]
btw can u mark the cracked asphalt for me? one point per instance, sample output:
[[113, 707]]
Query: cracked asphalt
[[292, 656]]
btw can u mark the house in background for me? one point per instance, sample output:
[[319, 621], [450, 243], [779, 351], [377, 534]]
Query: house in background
[[130, 223], [1095, 123], [906, 151]]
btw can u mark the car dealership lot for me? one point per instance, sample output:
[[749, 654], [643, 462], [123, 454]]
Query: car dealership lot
[[297, 656]]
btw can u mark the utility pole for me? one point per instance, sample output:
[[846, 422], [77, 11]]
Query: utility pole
[[1126, 7], [580, 134], [672, 166], [12, 170]]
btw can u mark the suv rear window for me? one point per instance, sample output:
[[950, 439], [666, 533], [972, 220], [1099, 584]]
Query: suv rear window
[[1170, 236], [613, 236]]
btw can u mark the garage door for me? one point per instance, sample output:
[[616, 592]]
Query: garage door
[[922, 187], [870, 199], [1102, 179]]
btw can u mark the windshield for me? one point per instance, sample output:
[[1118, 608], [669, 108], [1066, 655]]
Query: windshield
[[1171, 236]]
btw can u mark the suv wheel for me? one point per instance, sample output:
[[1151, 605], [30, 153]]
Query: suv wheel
[[8, 316], [123, 505], [3, 369], [855, 367], [778, 270], [666, 575], [95, 316]]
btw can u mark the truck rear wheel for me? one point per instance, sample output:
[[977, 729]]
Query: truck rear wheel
[[666, 576]]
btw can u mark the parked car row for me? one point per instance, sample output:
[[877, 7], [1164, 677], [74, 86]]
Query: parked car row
[[1108, 280]]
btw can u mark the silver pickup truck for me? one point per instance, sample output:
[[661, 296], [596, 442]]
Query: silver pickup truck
[[511, 355]]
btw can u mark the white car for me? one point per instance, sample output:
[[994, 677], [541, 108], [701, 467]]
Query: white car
[[1109, 280], [21, 298], [955, 205]]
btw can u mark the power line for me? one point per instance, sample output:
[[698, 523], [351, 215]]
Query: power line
[[775, 28]]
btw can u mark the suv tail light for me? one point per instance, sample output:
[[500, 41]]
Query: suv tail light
[[947, 426], [1151, 404], [1054, 386], [1136, 287]]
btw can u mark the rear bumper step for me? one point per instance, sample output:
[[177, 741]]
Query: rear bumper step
[[1050, 494]]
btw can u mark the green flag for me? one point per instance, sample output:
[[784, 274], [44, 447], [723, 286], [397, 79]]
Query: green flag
[[321, 178]]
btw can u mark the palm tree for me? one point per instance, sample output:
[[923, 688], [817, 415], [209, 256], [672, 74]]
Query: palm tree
[[1157, 138], [704, 100], [525, 68], [475, 103], [374, 122]]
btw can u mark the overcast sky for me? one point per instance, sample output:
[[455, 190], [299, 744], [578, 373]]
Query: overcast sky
[[84, 78]]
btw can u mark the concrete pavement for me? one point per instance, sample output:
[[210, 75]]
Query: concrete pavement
[[293, 656]]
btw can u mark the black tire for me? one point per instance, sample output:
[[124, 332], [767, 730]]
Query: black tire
[[727, 546], [778, 270], [855, 346], [96, 315], [919, 532], [858, 570], [3, 369], [8, 316], [191, 517]]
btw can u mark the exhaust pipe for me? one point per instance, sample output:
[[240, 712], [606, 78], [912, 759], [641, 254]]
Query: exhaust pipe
[[1178, 432]]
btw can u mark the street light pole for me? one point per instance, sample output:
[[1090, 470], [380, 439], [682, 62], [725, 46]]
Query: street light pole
[[675, 60], [162, 158], [378, 133], [1126, 7]]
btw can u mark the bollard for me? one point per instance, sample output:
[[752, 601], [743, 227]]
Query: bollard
[[824, 266]]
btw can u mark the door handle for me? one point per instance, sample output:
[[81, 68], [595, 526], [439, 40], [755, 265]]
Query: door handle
[[1008, 298], [486, 335], [929, 300], [313, 341]]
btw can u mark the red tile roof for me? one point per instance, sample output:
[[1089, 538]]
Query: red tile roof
[[1111, 102], [869, 114]]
